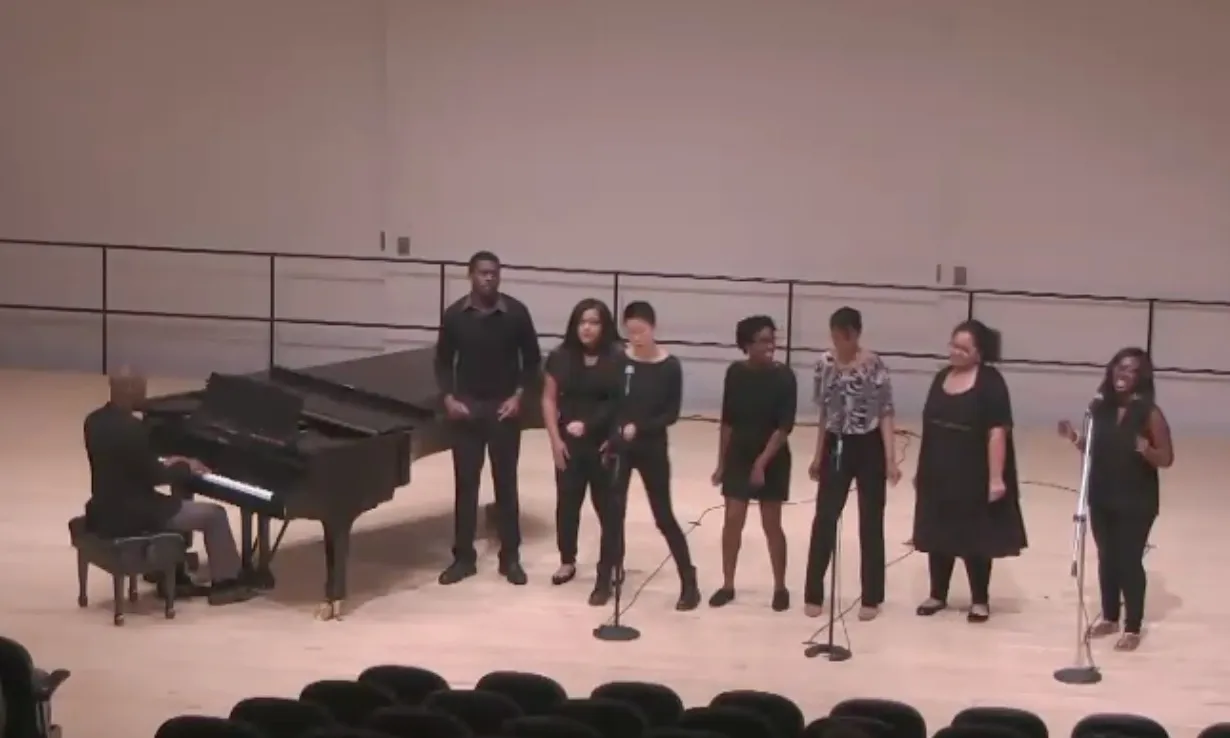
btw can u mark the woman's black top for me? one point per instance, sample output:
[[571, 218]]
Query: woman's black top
[[588, 393], [654, 395], [1120, 478], [758, 401]]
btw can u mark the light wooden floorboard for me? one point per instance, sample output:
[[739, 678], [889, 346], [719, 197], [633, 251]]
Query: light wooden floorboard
[[127, 680]]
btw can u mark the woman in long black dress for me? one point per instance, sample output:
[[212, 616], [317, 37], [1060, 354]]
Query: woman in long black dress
[[968, 498], [581, 391], [1131, 441], [759, 399]]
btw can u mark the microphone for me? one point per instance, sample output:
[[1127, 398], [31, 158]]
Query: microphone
[[629, 370], [841, 433]]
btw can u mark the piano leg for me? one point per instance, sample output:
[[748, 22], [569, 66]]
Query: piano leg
[[245, 541], [337, 556], [262, 573]]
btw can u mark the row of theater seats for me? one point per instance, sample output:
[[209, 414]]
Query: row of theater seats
[[25, 694], [410, 702]]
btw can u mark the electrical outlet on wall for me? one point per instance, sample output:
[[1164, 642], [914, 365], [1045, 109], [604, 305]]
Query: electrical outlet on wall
[[960, 277], [403, 245]]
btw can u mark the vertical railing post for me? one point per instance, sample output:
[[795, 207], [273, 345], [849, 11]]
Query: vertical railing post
[[615, 308], [789, 321], [969, 305], [1150, 317], [105, 354], [273, 310], [443, 277]]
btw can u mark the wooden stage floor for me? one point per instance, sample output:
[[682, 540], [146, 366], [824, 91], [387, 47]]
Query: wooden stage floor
[[127, 680]]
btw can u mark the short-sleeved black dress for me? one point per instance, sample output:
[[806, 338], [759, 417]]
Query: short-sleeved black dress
[[756, 402], [953, 514]]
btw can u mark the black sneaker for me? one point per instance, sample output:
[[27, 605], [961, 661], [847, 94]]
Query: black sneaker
[[457, 571]]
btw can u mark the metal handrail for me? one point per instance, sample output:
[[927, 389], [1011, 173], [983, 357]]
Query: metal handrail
[[616, 276]]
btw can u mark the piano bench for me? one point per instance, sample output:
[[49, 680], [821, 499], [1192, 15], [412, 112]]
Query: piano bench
[[128, 558]]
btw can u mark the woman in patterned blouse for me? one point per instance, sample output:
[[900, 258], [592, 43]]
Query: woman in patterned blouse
[[855, 398]]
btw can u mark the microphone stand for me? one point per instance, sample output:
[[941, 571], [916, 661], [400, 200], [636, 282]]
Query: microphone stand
[[615, 630], [1083, 670], [830, 649]]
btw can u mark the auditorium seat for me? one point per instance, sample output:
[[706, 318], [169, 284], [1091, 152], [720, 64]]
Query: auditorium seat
[[127, 558], [278, 717], [1216, 730], [670, 731], [844, 725], [547, 726], [350, 703], [409, 684], [1120, 725], [415, 721], [483, 712], [27, 692], [906, 721], [732, 722], [781, 711], [1023, 721], [978, 730], [660, 704], [344, 731], [535, 694], [202, 726], [611, 718]]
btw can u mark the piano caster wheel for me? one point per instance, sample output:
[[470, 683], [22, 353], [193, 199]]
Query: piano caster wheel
[[118, 620], [83, 601], [331, 610]]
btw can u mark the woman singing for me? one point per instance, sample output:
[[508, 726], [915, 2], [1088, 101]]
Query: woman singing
[[651, 405], [1131, 441], [759, 401], [855, 398], [581, 391], [967, 504]]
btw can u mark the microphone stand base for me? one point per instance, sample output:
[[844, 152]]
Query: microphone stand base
[[1078, 675], [828, 650], [616, 633]]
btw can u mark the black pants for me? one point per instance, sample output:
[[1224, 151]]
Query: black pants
[[473, 440], [1122, 538], [977, 570], [862, 459], [650, 458], [586, 470]]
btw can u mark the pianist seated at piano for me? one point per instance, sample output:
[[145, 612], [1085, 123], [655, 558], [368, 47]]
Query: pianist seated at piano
[[124, 501]]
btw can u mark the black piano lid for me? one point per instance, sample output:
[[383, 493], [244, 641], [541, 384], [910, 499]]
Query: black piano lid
[[401, 384]]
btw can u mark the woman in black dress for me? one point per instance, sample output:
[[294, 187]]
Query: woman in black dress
[[580, 394], [759, 400], [1131, 441], [967, 504]]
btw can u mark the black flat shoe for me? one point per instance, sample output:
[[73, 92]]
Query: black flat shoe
[[931, 607], [601, 594], [456, 572], [722, 597], [566, 573], [513, 572], [978, 614]]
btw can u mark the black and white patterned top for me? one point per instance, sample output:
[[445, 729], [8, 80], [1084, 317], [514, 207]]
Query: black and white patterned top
[[853, 398]]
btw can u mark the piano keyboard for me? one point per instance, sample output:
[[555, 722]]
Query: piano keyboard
[[235, 485]]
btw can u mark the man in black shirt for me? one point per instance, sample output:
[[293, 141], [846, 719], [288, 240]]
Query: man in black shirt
[[486, 354], [124, 471]]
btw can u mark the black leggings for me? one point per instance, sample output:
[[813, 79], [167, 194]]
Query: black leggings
[[586, 470], [977, 569], [1122, 538], [650, 458], [862, 460]]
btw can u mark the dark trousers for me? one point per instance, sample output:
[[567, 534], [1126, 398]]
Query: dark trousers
[[862, 460], [473, 442], [586, 470], [650, 459], [1121, 538], [977, 570]]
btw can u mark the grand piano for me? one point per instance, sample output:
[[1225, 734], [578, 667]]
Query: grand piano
[[361, 426]]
